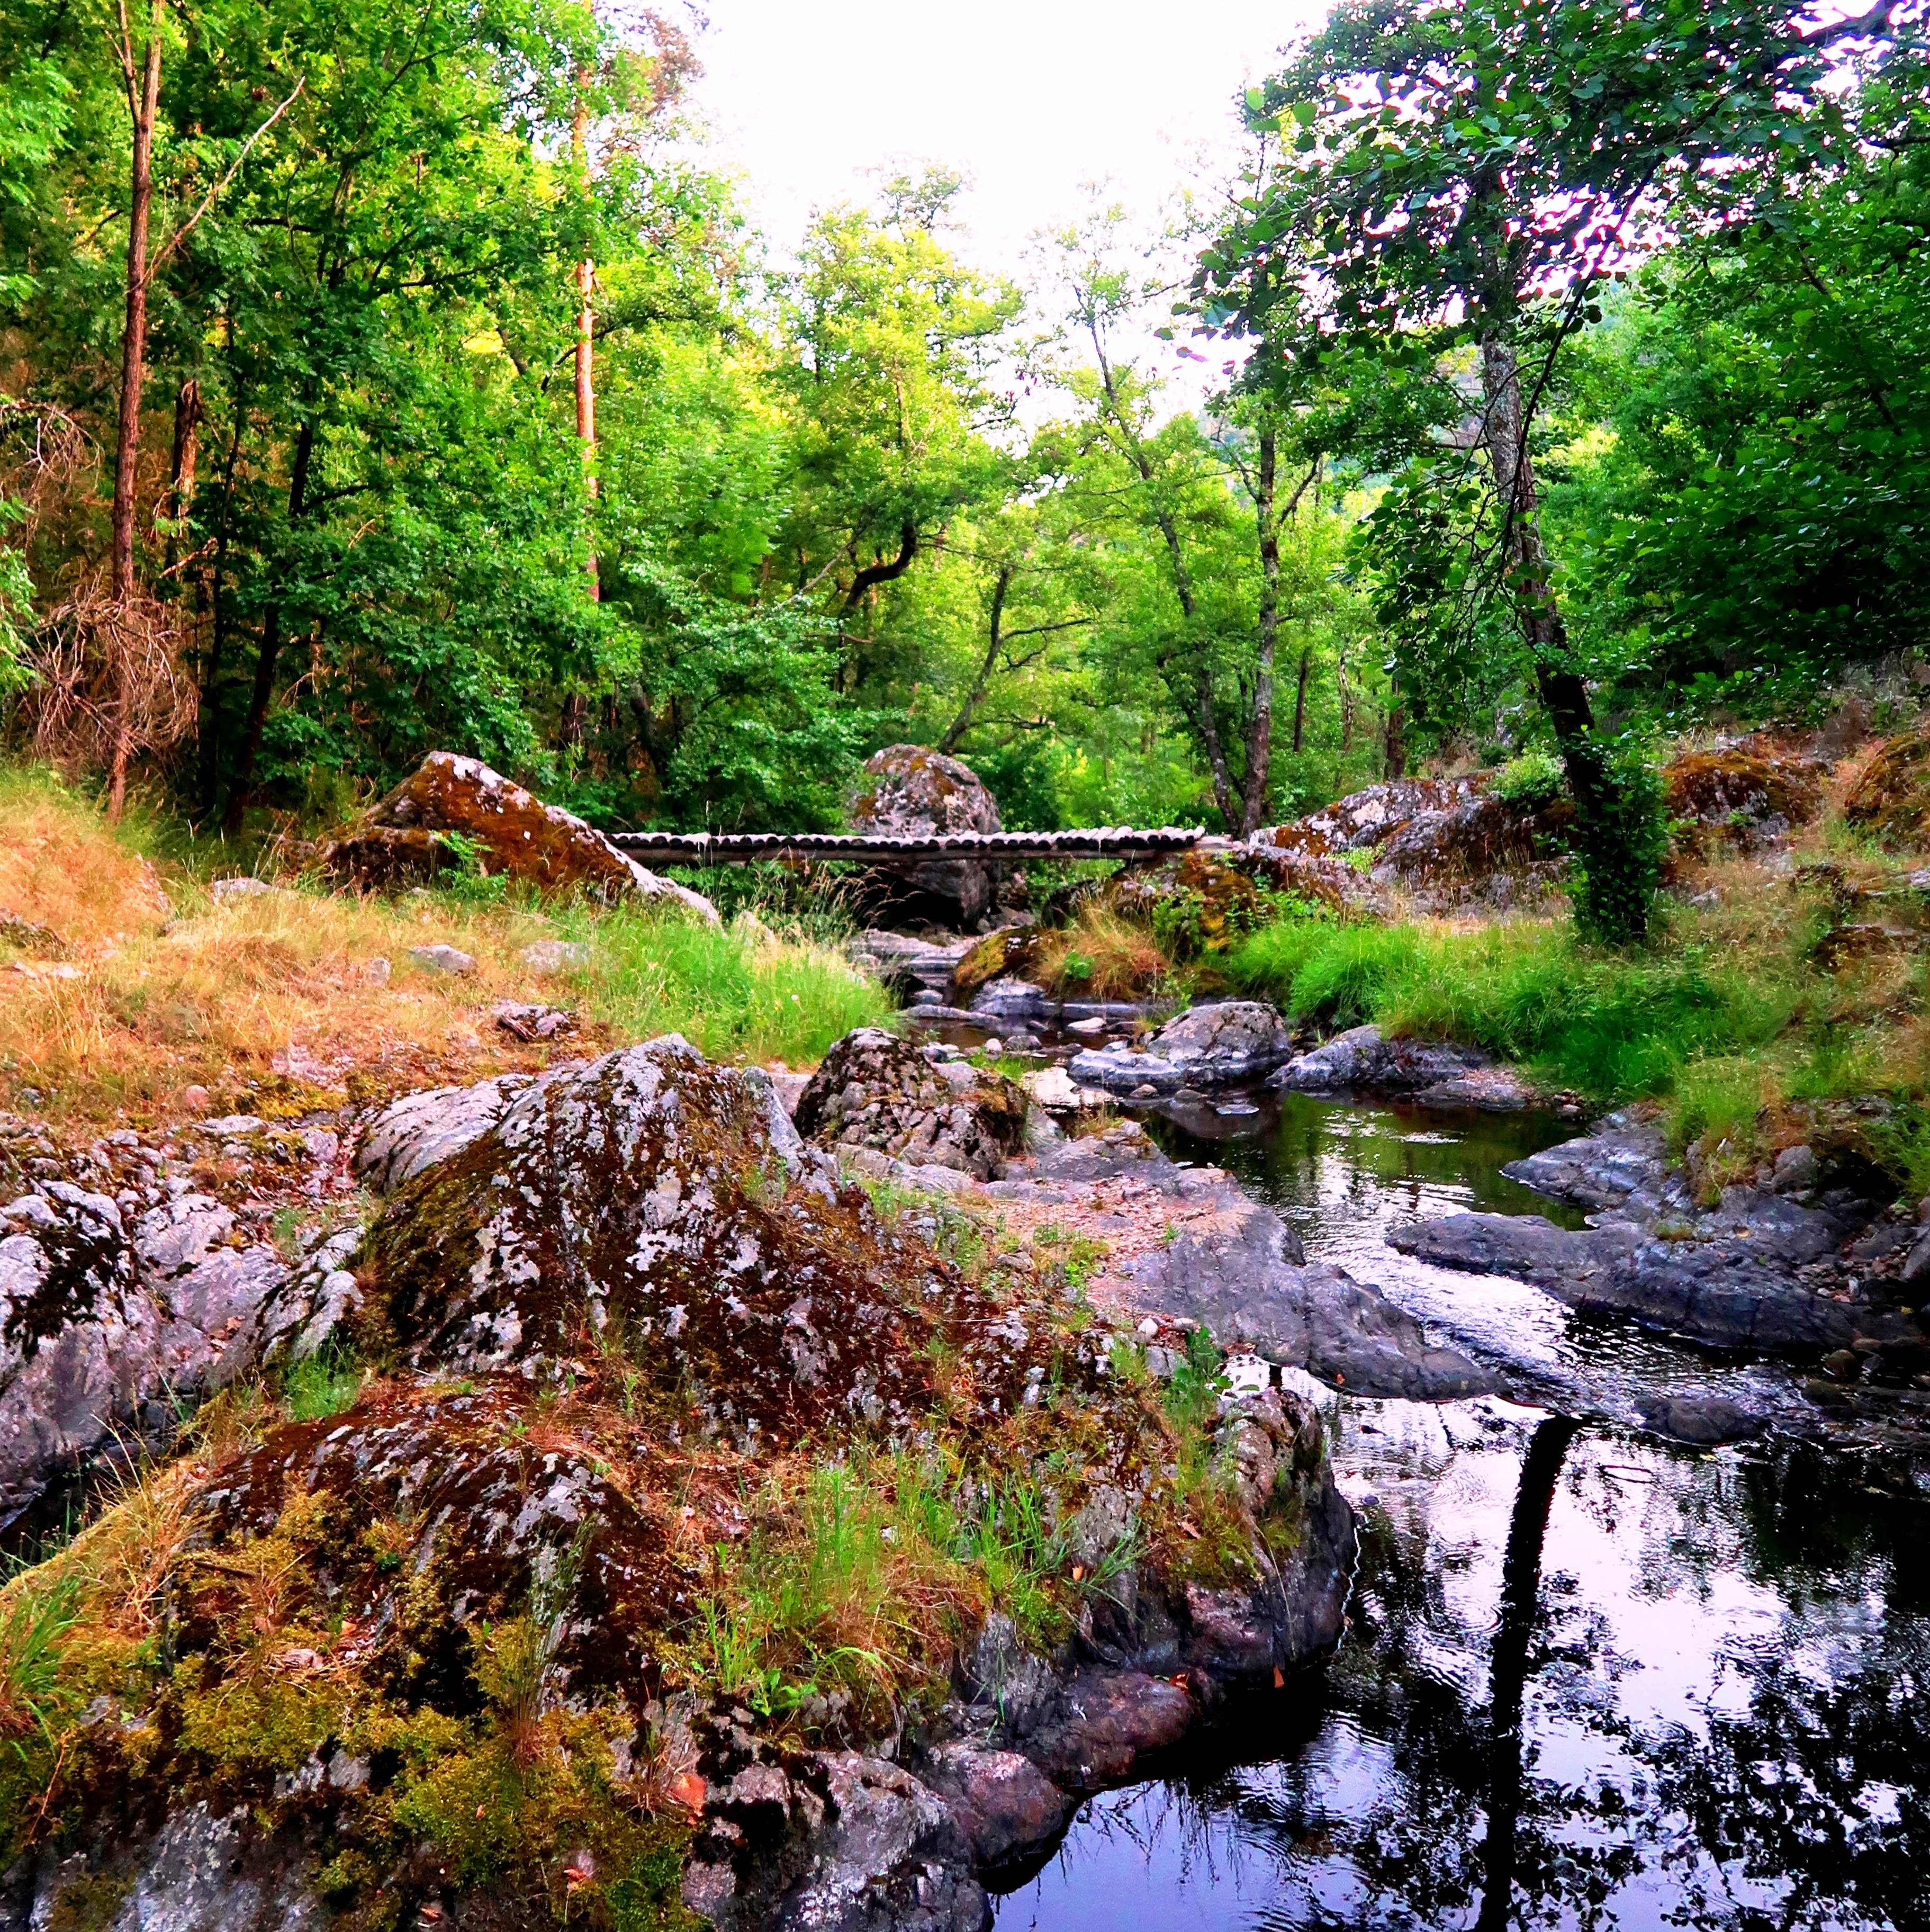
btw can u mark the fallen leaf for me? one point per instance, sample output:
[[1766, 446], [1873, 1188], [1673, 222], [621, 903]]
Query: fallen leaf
[[688, 1791]]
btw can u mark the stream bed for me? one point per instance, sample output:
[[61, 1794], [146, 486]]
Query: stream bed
[[1591, 1679]]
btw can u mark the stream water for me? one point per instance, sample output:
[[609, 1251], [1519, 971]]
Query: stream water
[[1590, 1680]]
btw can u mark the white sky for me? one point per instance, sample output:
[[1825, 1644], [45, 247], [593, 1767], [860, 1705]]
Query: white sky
[[1030, 98]]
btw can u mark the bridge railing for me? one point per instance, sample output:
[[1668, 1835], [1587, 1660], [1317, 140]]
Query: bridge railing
[[738, 848]]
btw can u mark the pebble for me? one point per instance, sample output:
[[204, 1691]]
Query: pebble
[[377, 972], [443, 959]]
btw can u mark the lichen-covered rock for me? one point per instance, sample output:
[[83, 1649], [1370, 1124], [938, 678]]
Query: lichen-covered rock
[[1742, 794], [1011, 953], [653, 1195], [1891, 798], [423, 1128], [401, 843], [874, 1090], [1443, 834], [1219, 1045], [103, 1329], [909, 791], [1198, 902]]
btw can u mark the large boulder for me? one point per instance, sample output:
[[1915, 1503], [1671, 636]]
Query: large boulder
[[1221, 1045], [403, 840], [1742, 794], [1891, 798], [120, 1301], [1445, 839], [908, 791], [1438, 1073], [874, 1090]]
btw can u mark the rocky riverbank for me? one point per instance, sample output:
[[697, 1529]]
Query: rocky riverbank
[[502, 1627]]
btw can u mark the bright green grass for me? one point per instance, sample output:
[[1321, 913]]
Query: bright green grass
[[1612, 1026], [731, 997]]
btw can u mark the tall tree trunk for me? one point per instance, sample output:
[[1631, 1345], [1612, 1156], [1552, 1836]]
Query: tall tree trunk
[[143, 104], [187, 452], [1300, 696], [1394, 743], [1508, 1672], [210, 745], [1616, 853], [1563, 690], [585, 334], [1259, 727], [271, 649]]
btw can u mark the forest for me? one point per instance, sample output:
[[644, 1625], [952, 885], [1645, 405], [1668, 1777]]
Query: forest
[[380, 378]]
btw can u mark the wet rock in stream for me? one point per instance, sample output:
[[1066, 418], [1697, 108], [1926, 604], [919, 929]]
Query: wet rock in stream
[[1219, 1045], [1231, 1263], [1761, 1271]]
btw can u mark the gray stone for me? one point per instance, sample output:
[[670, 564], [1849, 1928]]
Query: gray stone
[[874, 1090], [1010, 999], [231, 892], [889, 1858], [1365, 1057], [1220, 1045], [1730, 1292], [1795, 1170], [376, 973], [448, 959], [202, 1871], [423, 1128], [909, 790], [1006, 1806], [1702, 1419]]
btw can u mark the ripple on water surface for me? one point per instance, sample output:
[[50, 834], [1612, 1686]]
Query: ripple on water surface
[[1718, 1667]]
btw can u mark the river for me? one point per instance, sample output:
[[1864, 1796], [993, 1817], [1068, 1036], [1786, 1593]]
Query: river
[[1589, 1679]]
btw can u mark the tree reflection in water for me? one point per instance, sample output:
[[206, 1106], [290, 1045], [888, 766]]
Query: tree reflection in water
[[1701, 1707]]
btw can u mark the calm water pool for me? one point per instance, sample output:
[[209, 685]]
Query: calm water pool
[[1590, 1680]]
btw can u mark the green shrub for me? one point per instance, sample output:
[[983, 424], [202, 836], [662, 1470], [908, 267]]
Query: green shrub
[[1533, 781]]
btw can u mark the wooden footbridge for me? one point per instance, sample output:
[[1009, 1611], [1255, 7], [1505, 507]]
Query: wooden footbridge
[[739, 848]]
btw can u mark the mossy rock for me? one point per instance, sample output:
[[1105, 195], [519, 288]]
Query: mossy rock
[[1892, 798], [1195, 904], [1014, 951]]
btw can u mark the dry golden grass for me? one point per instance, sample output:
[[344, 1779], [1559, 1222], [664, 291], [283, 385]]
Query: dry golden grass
[[1100, 955], [164, 990]]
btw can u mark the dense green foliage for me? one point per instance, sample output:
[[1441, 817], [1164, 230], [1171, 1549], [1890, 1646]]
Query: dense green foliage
[[884, 494]]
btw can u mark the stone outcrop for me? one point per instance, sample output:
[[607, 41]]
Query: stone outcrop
[[1220, 1045], [460, 1621], [122, 1299], [402, 840], [1804, 1272], [1436, 1073], [1891, 800], [910, 791], [875, 1090], [1743, 794]]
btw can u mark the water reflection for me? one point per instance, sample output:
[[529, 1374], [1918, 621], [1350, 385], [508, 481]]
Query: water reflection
[[1701, 1707], [1719, 1683]]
